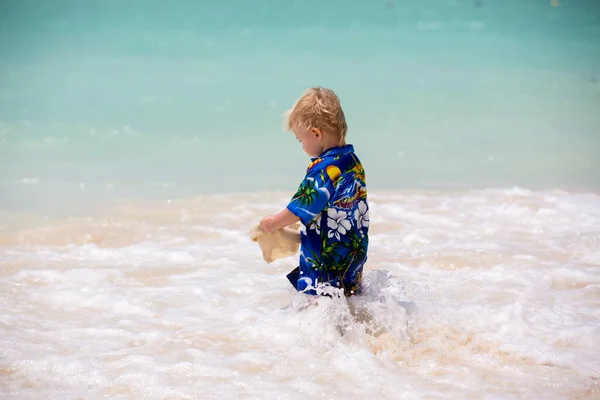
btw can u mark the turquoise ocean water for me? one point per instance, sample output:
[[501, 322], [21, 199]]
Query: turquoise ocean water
[[101, 100]]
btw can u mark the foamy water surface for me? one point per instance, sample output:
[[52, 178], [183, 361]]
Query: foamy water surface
[[476, 294]]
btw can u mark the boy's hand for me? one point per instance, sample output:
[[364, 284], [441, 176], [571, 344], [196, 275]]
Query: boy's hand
[[271, 223], [267, 223]]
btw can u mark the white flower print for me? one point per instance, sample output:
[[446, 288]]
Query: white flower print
[[316, 224], [362, 215], [338, 223], [302, 229]]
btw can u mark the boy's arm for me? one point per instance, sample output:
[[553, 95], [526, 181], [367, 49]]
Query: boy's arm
[[271, 223]]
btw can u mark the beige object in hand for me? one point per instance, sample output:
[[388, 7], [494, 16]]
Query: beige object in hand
[[279, 244]]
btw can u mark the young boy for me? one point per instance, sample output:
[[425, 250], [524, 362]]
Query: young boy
[[331, 201]]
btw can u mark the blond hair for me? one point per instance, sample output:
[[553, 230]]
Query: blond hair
[[319, 108]]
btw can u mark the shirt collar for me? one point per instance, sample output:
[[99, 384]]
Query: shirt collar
[[336, 150]]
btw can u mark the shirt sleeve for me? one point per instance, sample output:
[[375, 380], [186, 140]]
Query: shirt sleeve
[[312, 195]]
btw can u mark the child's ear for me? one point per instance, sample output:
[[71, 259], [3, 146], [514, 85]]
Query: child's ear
[[317, 132]]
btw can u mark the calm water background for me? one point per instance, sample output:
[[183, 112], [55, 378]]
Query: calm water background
[[154, 98], [140, 141]]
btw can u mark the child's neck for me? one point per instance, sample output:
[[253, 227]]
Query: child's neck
[[331, 142]]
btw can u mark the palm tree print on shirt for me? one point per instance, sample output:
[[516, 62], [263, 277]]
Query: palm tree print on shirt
[[306, 194]]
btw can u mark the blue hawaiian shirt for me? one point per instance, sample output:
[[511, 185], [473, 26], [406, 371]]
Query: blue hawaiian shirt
[[331, 203]]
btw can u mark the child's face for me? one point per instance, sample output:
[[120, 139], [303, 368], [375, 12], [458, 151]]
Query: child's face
[[312, 141]]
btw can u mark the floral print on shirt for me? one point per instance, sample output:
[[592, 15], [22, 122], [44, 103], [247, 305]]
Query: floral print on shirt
[[331, 203]]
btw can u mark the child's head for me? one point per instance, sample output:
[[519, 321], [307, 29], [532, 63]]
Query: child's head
[[318, 121]]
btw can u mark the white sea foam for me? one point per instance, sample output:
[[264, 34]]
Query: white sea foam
[[475, 294]]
